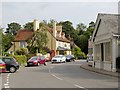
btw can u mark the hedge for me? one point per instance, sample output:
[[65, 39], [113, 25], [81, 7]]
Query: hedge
[[22, 59]]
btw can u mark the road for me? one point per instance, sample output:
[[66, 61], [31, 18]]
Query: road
[[64, 75]]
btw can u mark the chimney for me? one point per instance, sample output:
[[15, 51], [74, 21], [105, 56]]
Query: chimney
[[63, 35], [36, 25], [54, 29], [59, 30]]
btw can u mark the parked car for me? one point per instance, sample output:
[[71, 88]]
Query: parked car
[[36, 61], [2, 66], [58, 59], [70, 58], [11, 64]]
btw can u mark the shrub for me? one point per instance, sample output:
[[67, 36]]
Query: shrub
[[78, 53], [22, 59]]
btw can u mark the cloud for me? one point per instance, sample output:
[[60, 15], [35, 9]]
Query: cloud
[[85, 12]]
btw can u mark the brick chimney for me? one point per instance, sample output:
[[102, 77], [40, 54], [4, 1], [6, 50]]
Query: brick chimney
[[36, 25], [63, 35], [54, 28]]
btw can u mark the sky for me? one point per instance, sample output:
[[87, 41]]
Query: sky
[[23, 11]]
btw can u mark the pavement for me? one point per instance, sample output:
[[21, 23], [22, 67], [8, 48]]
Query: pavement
[[101, 71]]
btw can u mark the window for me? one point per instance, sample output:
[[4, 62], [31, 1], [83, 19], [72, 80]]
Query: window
[[107, 51], [22, 44], [97, 52]]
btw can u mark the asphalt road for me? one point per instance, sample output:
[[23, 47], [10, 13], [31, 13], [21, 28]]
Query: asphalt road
[[64, 75]]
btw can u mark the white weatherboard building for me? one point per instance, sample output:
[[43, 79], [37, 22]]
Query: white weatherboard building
[[106, 42]]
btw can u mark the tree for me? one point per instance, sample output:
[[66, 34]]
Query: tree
[[69, 30], [39, 40], [6, 41], [29, 26], [81, 28], [78, 53], [13, 28]]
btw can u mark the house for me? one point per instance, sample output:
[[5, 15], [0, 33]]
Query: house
[[106, 42], [90, 49], [57, 43]]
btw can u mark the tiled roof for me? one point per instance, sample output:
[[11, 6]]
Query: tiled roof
[[23, 35], [62, 39], [57, 38]]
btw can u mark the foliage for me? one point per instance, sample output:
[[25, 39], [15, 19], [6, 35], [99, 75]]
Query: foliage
[[78, 53], [28, 26], [43, 52], [6, 41], [22, 59], [68, 28], [22, 51], [13, 28], [39, 40], [81, 28]]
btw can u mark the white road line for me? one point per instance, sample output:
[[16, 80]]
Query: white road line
[[7, 87], [7, 77], [56, 77], [78, 86], [7, 80], [6, 84]]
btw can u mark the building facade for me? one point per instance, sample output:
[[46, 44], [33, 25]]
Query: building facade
[[57, 42], [106, 42]]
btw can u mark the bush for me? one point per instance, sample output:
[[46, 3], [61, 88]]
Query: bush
[[22, 51], [78, 53], [22, 59]]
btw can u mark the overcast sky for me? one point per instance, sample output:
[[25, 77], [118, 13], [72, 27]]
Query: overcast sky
[[76, 12]]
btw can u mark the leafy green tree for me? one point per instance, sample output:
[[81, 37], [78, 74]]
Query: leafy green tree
[[81, 28], [78, 53], [69, 30], [29, 26], [39, 40], [6, 41], [13, 28]]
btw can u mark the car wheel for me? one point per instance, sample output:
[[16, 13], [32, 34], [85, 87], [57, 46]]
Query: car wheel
[[38, 64], [45, 63], [12, 69]]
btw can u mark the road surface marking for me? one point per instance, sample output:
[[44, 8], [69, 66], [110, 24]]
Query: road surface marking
[[56, 77], [5, 84], [7, 80], [7, 87], [78, 86]]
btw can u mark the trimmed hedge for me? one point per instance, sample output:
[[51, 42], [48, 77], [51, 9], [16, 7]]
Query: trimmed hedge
[[22, 59]]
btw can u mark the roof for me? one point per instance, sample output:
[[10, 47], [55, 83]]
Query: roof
[[110, 22], [62, 39], [23, 35], [62, 48], [57, 38]]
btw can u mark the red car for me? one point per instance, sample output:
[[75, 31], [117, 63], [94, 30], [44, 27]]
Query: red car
[[2, 66], [36, 61]]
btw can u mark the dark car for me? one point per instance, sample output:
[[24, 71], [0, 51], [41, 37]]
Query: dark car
[[36, 61], [11, 64], [70, 58], [2, 66]]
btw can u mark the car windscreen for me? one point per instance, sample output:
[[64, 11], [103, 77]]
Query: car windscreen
[[33, 58], [58, 56], [42, 57], [1, 62]]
